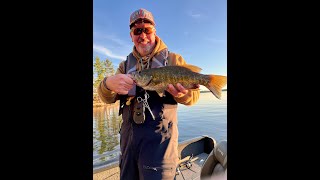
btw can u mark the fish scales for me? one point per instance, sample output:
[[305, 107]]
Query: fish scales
[[158, 79]]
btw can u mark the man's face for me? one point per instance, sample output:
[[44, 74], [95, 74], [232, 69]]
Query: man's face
[[143, 36]]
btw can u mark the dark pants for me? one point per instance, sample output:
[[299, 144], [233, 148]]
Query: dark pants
[[149, 150]]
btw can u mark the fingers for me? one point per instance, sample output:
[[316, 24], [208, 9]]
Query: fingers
[[125, 86], [120, 83], [127, 82], [179, 91], [172, 90], [127, 79], [123, 92], [182, 89]]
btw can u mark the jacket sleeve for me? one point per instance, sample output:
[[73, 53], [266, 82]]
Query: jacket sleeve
[[193, 94], [107, 95]]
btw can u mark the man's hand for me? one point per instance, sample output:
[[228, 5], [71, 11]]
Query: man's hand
[[120, 83], [179, 91]]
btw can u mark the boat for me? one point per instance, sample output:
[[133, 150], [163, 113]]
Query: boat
[[200, 158]]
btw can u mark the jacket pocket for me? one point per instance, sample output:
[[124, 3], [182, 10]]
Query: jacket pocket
[[168, 168], [165, 170]]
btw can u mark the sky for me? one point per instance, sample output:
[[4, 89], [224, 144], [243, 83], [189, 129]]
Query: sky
[[195, 29]]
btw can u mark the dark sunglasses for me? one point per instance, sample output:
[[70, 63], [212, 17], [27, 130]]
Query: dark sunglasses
[[138, 31]]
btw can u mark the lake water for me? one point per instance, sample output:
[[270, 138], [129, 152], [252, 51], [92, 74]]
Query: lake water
[[207, 117]]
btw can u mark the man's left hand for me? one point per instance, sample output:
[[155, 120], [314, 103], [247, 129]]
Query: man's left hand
[[178, 91]]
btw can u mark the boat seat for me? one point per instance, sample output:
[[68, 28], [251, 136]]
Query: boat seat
[[216, 163]]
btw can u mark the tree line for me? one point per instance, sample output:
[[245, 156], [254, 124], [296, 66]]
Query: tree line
[[101, 69]]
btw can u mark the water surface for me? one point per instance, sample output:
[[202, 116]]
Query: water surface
[[207, 117]]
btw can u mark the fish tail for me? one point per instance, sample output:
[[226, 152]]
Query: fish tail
[[216, 83]]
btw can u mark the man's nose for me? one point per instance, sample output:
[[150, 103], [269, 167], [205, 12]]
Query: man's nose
[[143, 34]]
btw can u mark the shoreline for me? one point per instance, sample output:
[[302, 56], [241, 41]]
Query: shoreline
[[102, 104], [205, 91]]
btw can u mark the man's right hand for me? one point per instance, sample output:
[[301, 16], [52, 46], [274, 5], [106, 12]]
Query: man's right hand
[[120, 83]]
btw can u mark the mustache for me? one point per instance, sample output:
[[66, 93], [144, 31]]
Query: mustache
[[142, 40]]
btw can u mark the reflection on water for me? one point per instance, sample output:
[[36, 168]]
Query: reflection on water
[[106, 126], [207, 117]]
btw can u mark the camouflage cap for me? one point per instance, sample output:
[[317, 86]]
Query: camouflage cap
[[141, 14]]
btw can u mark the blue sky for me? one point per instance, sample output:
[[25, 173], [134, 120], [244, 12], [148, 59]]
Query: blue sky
[[195, 29]]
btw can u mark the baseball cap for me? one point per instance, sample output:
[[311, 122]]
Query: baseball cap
[[141, 14]]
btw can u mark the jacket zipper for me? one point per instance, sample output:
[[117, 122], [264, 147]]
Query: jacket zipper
[[156, 168]]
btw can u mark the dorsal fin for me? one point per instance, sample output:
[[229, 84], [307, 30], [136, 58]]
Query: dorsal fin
[[192, 68]]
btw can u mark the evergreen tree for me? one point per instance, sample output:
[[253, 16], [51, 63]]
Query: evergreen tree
[[109, 68], [100, 70]]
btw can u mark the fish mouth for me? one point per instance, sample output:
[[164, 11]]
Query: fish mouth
[[143, 85], [132, 77], [134, 81]]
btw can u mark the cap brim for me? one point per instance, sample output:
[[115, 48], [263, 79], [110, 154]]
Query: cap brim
[[149, 21]]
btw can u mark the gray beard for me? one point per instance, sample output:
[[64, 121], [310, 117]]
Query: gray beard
[[146, 50]]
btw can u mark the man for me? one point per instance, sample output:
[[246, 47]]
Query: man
[[149, 132]]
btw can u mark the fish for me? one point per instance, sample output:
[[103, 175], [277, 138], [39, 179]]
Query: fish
[[189, 76]]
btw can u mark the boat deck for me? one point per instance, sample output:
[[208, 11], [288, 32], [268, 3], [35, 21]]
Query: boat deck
[[185, 173], [109, 172], [193, 154], [195, 170]]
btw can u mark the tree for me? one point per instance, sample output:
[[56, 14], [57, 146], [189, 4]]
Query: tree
[[109, 68], [100, 70]]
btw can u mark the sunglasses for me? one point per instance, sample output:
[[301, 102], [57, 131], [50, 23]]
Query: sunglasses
[[147, 30]]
